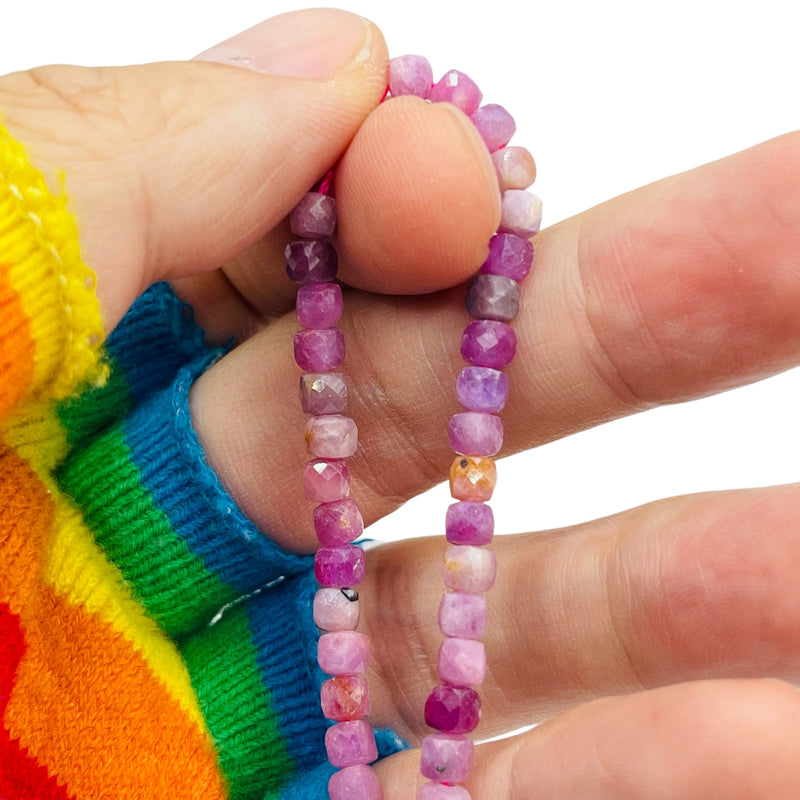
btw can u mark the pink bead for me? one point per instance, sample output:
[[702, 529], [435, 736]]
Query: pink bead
[[410, 75], [350, 743], [311, 261], [462, 616], [441, 791], [515, 168], [495, 125], [323, 392], [319, 350], [340, 566], [314, 217], [339, 522], [469, 523], [482, 389], [459, 89], [520, 213], [462, 662], [331, 436], [358, 782], [326, 480], [446, 758], [474, 433], [344, 652], [319, 305], [336, 609], [453, 709], [509, 255], [469, 569], [488, 343], [345, 698]]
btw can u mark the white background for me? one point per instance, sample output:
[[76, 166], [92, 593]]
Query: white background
[[608, 96]]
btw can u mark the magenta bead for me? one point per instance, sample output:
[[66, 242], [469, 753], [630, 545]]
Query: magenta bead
[[311, 261], [520, 213], [319, 350], [473, 433], [462, 662], [336, 609], [459, 89], [515, 168], [410, 75], [509, 255], [350, 743], [326, 480], [323, 393], [469, 522], [358, 782], [343, 652], [488, 343], [441, 791], [453, 709], [493, 297], [331, 436], [462, 615], [314, 217], [446, 758], [319, 305], [495, 125], [340, 566], [345, 698], [468, 568], [482, 389], [339, 522]]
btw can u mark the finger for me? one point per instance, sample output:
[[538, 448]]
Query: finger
[[172, 169], [721, 739]]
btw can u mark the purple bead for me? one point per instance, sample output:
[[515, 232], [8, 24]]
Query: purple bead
[[339, 522], [482, 389], [462, 615], [495, 125], [314, 217], [410, 75], [451, 709], [488, 343], [341, 566], [336, 609], [311, 261], [446, 758], [319, 305], [350, 743], [509, 255], [459, 89], [331, 436], [462, 662], [319, 350], [358, 782], [343, 653], [468, 568], [473, 433], [326, 480], [515, 168], [469, 522], [323, 392], [520, 213], [433, 790], [493, 297]]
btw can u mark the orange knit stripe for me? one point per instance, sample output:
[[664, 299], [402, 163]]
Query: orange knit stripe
[[16, 346]]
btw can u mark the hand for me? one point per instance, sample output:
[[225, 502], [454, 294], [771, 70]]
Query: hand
[[683, 288]]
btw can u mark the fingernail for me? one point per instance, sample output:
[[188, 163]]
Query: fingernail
[[314, 43]]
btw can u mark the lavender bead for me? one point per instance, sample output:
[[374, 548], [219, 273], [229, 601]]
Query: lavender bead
[[319, 305], [482, 389], [520, 213], [311, 261], [326, 480], [446, 758], [314, 217], [339, 522], [509, 255], [468, 568], [469, 522], [452, 709], [341, 566], [515, 168], [433, 790], [358, 782], [350, 743], [462, 615], [488, 343], [319, 350], [343, 653], [495, 125], [336, 609], [459, 89], [462, 662], [323, 392], [493, 297], [331, 436], [473, 433], [410, 75]]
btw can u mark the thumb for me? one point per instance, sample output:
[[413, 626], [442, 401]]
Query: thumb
[[173, 168]]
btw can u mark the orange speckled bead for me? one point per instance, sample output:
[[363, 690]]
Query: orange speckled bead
[[472, 478]]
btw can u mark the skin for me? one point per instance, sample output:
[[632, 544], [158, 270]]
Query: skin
[[656, 646]]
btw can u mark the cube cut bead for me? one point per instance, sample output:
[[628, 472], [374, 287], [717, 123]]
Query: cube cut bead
[[462, 615], [345, 698], [350, 743], [340, 566], [343, 653], [462, 662], [331, 436], [326, 480], [358, 782], [469, 523], [451, 709], [474, 433], [314, 217], [339, 522], [459, 89], [482, 389], [319, 350], [410, 75], [311, 261], [515, 168], [488, 343], [336, 609], [495, 125], [468, 568], [493, 297], [509, 255], [323, 392], [441, 791], [446, 758], [472, 478], [319, 305], [520, 213]]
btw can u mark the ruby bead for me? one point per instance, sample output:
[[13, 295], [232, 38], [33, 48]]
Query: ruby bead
[[472, 478], [459, 89], [515, 168], [495, 125], [482, 389], [493, 297], [410, 75], [446, 758], [350, 743], [345, 698], [469, 523], [509, 255], [336, 609], [343, 652], [319, 350], [311, 261], [331, 436], [451, 709], [358, 782], [462, 615], [488, 343], [314, 217], [339, 522], [468, 568], [462, 662], [319, 305], [441, 791], [323, 392], [326, 480], [520, 213], [340, 566], [474, 433]]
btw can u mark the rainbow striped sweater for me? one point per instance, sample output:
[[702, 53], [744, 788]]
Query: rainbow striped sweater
[[153, 643]]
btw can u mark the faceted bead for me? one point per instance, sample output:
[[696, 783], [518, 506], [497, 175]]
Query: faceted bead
[[323, 392], [473, 433], [410, 75], [472, 478], [433, 790], [446, 758], [468, 568], [460, 90], [311, 261], [343, 652], [515, 168], [509, 255], [314, 217], [469, 523], [336, 609], [325, 481], [358, 782], [350, 743], [495, 125], [451, 709], [462, 662], [340, 566], [482, 389], [331, 436], [488, 343], [345, 697], [520, 213], [319, 350], [319, 305], [462, 615], [493, 297], [339, 522]]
